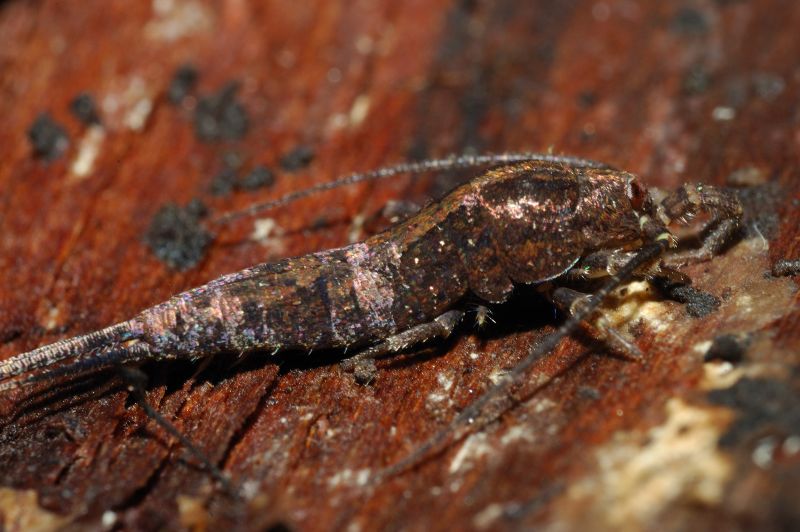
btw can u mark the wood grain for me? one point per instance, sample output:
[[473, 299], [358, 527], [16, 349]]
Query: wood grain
[[675, 92]]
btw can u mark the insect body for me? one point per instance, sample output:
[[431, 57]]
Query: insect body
[[523, 223], [527, 222]]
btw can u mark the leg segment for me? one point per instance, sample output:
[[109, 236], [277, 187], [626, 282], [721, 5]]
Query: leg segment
[[716, 239], [599, 264], [721, 204], [570, 301], [136, 380], [441, 327]]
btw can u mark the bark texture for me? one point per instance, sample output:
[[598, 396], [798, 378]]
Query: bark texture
[[702, 90]]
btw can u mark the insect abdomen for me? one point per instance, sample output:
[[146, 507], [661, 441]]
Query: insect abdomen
[[344, 297]]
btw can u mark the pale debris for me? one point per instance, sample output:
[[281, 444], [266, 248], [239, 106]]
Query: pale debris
[[174, 19], [20, 511], [88, 150], [640, 475], [474, 447]]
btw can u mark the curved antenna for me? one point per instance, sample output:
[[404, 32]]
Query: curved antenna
[[449, 163]]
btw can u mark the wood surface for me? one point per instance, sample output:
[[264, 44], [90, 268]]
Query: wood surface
[[673, 91]]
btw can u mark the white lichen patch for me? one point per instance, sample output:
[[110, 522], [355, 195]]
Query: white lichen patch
[[436, 397], [250, 489], [354, 526], [445, 380], [486, 517], [128, 105], [542, 405], [192, 512], [350, 477], [639, 476], [20, 510], [269, 234], [356, 228], [701, 348], [518, 433], [474, 447], [263, 228], [720, 374], [639, 302], [53, 319], [764, 453], [745, 303], [136, 118], [498, 375], [791, 445], [174, 19], [359, 110], [88, 150], [109, 519]]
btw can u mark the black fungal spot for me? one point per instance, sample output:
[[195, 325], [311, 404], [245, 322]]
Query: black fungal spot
[[84, 109], [258, 177], [589, 392], [697, 80], [587, 99], [220, 116], [698, 303], [689, 22], [727, 347], [763, 404], [176, 236], [279, 526], [197, 208], [297, 159], [224, 182], [48, 138], [768, 86], [183, 82]]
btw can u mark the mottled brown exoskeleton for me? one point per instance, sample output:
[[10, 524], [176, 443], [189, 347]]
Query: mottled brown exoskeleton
[[532, 219]]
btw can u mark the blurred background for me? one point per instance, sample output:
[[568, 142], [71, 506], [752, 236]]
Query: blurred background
[[126, 126]]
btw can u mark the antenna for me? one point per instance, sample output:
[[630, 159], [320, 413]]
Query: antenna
[[449, 163]]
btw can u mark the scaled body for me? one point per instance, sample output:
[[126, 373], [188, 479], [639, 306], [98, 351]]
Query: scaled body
[[523, 223], [527, 222]]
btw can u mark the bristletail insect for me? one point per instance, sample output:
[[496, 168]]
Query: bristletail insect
[[530, 219]]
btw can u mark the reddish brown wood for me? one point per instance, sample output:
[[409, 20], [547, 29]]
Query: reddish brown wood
[[671, 92]]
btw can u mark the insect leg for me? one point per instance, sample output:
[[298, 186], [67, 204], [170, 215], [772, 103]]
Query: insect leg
[[713, 243], [136, 381], [726, 215], [599, 264], [440, 327], [569, 300], [459, 427]]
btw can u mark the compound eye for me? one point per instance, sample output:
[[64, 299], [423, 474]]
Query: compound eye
[[637, 194]]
